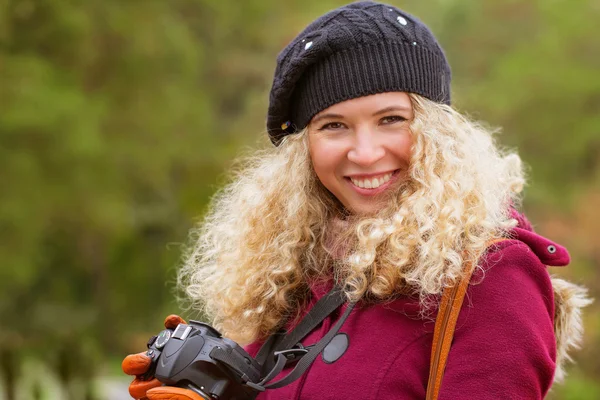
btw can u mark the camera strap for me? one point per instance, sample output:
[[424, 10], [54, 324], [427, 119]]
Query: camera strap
[[286, 348]]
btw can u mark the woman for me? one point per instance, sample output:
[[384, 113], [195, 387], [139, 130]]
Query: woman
[[378, 186]]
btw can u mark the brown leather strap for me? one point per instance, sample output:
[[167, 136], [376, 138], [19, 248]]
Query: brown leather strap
[[443, 333]]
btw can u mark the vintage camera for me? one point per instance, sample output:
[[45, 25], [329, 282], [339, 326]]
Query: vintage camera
[[195, 356]]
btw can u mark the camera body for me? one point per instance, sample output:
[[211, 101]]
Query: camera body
[[192, 357]]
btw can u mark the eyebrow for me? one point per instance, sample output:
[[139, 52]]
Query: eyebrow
[[391, 108], [339, 116], [326, 116]]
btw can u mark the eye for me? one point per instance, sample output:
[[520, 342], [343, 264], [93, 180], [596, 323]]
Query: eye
[[332, 126], [392, 119]]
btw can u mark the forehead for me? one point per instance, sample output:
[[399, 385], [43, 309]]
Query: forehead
[[370, 104]]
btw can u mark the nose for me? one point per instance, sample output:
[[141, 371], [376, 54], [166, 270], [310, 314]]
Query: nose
[[366, 149]]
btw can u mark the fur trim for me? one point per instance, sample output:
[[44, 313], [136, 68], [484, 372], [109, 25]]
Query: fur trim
[[569, 299]]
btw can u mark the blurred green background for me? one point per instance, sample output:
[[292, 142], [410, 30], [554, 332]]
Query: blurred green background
[[119, 118]]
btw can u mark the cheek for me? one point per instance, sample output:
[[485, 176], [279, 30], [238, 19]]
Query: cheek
[[326, 159], [403, 147]]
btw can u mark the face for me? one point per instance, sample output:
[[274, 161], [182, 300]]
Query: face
[[361, 147]]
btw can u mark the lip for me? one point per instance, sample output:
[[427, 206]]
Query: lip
[[372, 192]]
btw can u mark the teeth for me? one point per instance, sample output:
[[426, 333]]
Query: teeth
[[373, 183]]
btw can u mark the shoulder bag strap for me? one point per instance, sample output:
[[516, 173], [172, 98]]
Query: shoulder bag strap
[[443, 333]]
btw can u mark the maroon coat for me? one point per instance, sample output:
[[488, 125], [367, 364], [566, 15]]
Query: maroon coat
[[504, 345]]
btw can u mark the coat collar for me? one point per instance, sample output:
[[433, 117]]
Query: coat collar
[[550, 253]]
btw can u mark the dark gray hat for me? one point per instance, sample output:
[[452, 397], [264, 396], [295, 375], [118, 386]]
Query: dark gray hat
[[356, 50]]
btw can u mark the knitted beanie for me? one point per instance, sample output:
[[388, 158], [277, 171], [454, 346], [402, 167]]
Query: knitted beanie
[[356, 50]]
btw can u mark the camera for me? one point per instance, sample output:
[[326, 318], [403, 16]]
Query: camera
[[195, 356]]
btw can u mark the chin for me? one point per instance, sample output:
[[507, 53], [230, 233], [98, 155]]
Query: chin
[[364, 210]]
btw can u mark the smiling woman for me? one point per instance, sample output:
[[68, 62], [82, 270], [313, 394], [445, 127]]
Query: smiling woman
[[378, 189], [361, 147]]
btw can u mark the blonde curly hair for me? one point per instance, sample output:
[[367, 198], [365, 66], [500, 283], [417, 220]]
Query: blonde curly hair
[[268, 234]]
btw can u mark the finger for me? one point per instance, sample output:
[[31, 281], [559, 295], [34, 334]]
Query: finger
[[173, 320], [136, 364], [173, 393], [138, 388]]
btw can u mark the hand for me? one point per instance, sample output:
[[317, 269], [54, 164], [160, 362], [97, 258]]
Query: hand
[[138, 364]]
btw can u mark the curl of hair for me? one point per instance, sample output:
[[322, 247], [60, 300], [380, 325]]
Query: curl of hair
[[265, 238]]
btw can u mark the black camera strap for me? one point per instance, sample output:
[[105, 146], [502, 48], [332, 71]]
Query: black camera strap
[[281, 349], [317, 314], [287, 348]]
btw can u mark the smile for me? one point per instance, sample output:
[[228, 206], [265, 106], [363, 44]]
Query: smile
[[373, 182]]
